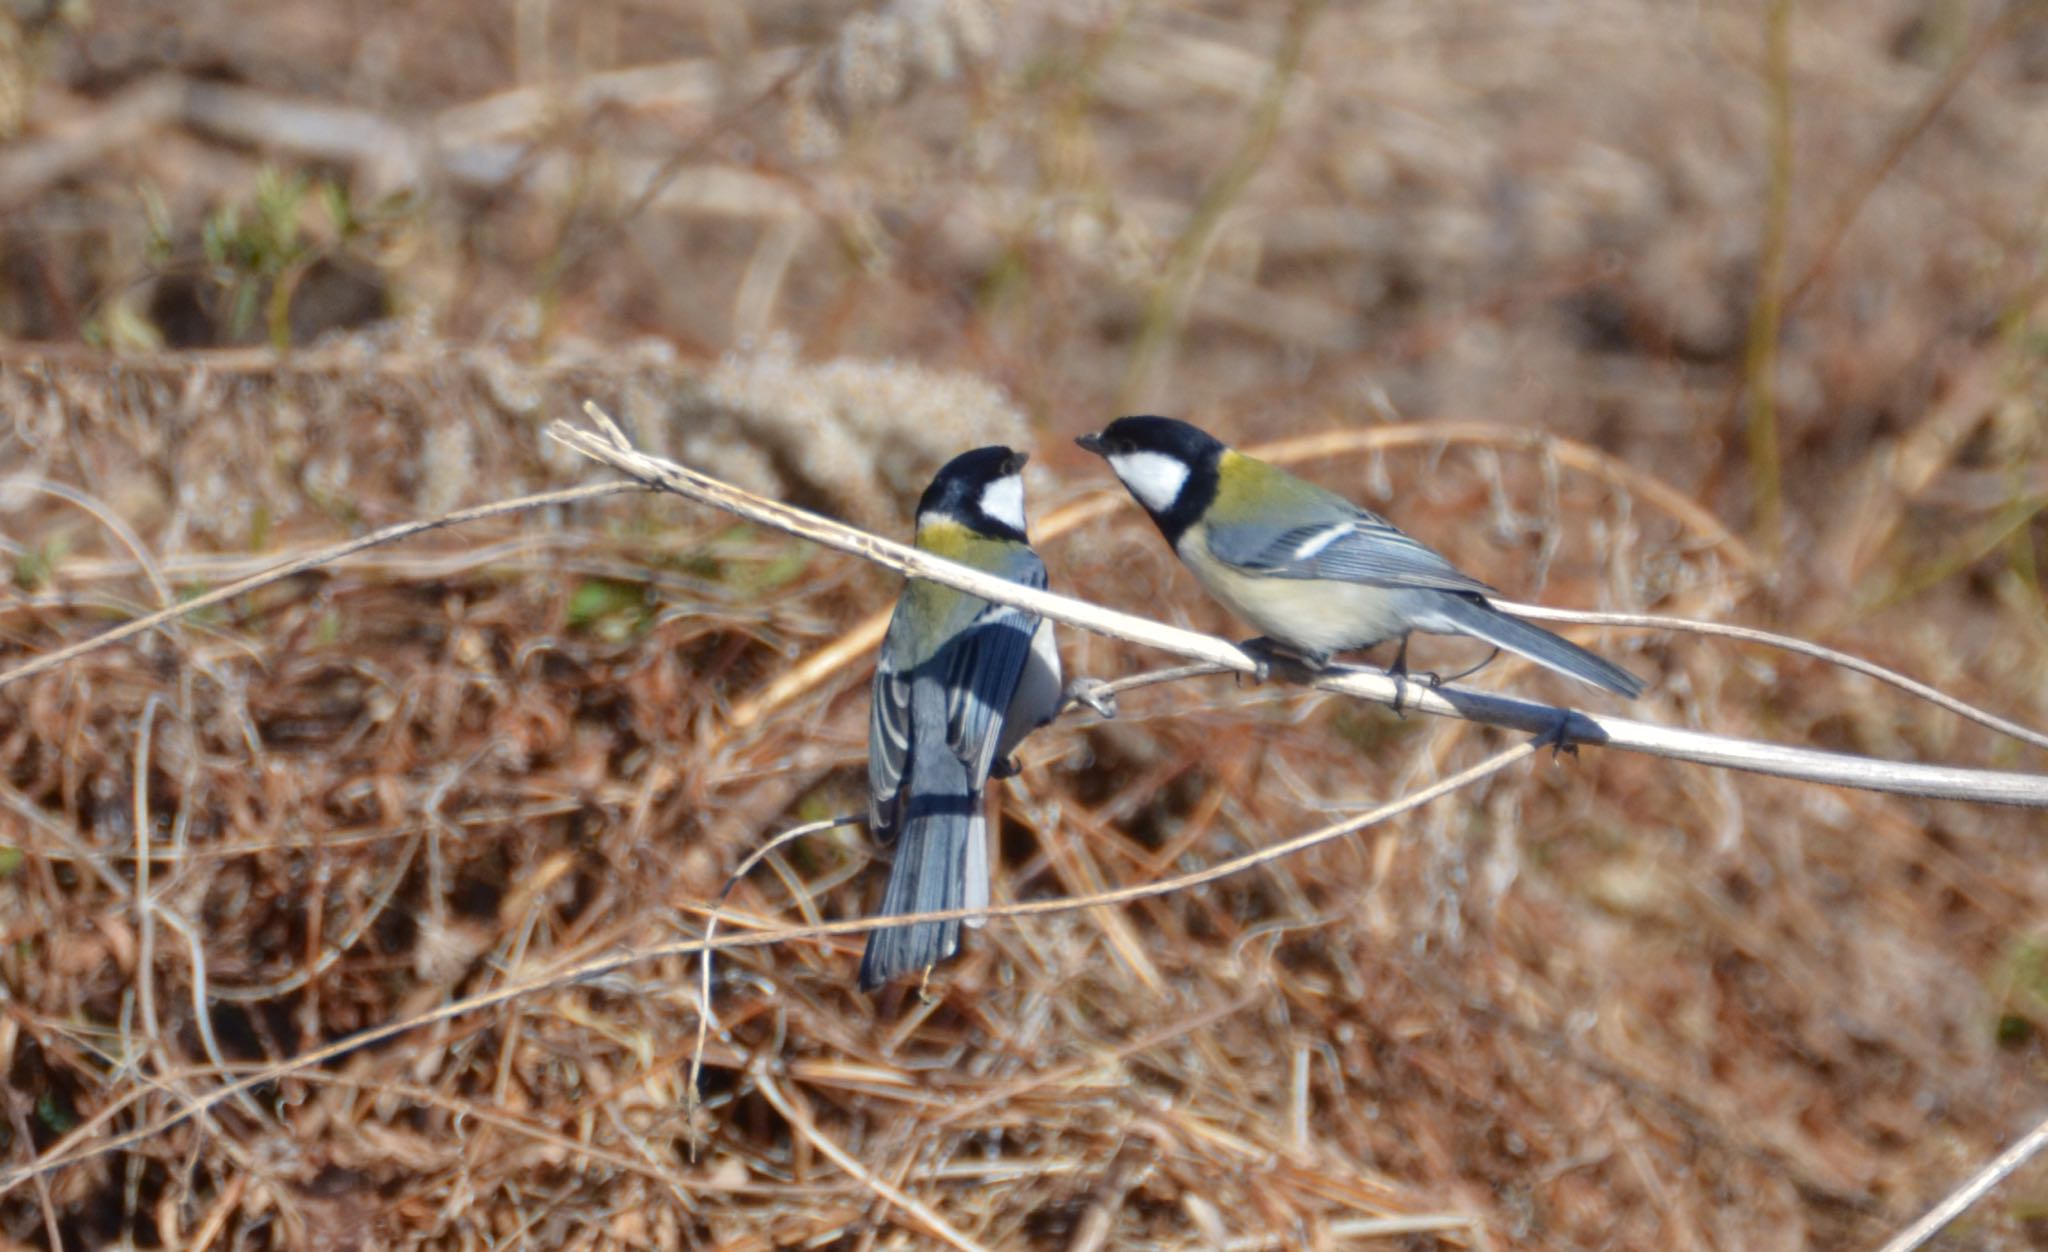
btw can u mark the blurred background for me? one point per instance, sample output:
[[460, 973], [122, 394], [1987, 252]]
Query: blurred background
[[1730, 309]]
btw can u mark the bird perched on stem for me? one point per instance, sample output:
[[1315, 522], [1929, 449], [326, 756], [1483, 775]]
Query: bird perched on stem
[[1315, 572], [958, 684]]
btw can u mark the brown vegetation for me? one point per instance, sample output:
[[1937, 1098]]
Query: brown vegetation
[[1603, 1002]]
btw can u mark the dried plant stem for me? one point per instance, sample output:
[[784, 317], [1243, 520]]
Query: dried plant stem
[[1760, 361], [1749, 634], [1805, 764], [1211, 653], [18, 1123], [1979, 1185], [216, 1219], [145, 919], [861, 640], [746, 867], [1994, 32], [109, 519], [1166, 306], [801, 1121], [1366, 1228], [78, 1145], [299, 565]]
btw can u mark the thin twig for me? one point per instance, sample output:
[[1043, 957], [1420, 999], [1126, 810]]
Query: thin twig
[[217, 1217], [1908, 133], [147, 909], [1750, 634], [145, 915], [18, 1122], [1150, 678], [299, 565], [1363, 1228], [1976, 1188], [1805, 764], [859, 641], [910, 1204], [711, 932], [1165, 307], [1760, 358], [107, 518]]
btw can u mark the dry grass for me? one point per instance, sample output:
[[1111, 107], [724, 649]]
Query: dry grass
[[1602, 1003]]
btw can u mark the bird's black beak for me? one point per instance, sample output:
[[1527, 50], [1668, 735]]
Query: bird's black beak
[[1092, 443], [1015, 463]]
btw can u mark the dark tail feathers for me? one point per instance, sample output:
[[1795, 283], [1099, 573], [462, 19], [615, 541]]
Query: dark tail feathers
[[941, 848], [1473, 616]]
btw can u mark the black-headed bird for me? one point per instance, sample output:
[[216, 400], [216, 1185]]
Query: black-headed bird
[[1315, 572], [958, 684]]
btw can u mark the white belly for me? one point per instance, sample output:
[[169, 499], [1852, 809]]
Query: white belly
[[1309, 615], [1038, 693]]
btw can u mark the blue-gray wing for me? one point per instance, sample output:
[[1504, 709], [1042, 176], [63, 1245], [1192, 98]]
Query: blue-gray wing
[[1360, 547], [982, 667], [888, 735]]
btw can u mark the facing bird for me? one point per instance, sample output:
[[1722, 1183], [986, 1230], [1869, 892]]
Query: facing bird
[[1315, 572], [958, 684]]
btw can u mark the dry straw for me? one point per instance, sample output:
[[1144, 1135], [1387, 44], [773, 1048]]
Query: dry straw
[[612, 448], [608, 444], [80, 1145]]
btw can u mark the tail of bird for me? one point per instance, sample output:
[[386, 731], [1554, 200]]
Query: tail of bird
[[941, 863], [1470, 615]]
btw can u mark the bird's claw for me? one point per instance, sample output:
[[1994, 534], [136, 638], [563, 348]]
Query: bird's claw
[[1004, 767], [1398, 671], [1094, 693], [1260, 650], [1402, 677], [1559, 738]]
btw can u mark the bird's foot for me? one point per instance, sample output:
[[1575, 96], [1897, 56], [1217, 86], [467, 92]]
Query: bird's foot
[[1094, 693], [1559, 737], [1004, 767], [1398, 671]]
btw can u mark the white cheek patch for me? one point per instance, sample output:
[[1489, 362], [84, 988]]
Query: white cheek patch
[[1154, 477], [1003, 500]]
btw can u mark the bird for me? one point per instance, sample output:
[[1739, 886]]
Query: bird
[[1315, 572], [959, 683]]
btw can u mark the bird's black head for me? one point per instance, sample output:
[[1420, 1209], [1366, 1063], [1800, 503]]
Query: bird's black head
[[1188, 444], [1168, 466], [982, 490]]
